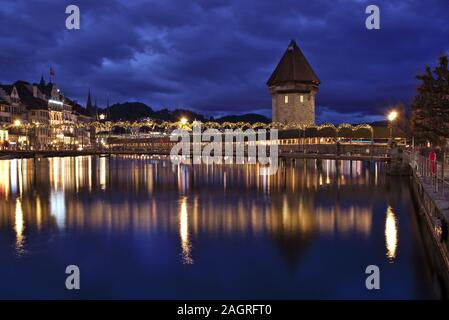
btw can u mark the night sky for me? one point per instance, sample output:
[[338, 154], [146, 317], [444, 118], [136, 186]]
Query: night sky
[[214, 56]]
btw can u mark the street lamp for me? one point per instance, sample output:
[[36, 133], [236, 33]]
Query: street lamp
[[17, 123], [184, 120], [391, 117]]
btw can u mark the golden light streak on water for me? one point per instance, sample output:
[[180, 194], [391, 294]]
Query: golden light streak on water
[[184, 232], [63, 176], [54, 164], [19, 174], [4, 178], [103, 173], [391, 234], [38, 213], [150, 180], [13, 175], [19, 227], [89, 172], [78, 173]]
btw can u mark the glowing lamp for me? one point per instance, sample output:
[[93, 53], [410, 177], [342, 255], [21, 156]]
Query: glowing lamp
[[392, 116]]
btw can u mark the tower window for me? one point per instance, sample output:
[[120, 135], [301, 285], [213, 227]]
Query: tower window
[[301, 98], [286, 99]]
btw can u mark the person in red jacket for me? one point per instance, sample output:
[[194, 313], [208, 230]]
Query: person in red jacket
[[433, 161]]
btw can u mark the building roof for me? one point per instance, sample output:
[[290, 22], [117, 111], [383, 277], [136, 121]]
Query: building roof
[[46, 89], [293, 67], [25, 91], [7, 88], [77, 107]]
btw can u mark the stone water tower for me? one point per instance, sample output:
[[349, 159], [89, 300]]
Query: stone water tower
[[293, 86]]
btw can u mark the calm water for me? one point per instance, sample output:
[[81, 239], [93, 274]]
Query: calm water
[[142, 228]]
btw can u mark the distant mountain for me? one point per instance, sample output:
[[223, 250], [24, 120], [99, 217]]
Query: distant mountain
[[131, 111]]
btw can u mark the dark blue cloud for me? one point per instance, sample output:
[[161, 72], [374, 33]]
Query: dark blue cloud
[[214, 56]]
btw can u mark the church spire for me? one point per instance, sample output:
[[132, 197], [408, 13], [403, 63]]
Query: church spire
[[42, 82], [89, 104]]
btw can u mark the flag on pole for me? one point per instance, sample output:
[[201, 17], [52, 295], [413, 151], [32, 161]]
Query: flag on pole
[[52, 71]]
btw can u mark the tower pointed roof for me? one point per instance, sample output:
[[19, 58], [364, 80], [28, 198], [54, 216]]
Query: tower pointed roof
[[89, 103], [293, 67], [42, 82]]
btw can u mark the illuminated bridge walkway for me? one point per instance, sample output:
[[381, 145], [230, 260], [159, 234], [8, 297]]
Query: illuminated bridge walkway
[[369, 152]]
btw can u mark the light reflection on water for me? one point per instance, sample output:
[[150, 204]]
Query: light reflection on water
[[391, 234], [300, 213], [19, 227], [313, 213], [184, 232]]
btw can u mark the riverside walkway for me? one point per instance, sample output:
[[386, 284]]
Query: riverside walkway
[[430, 187]]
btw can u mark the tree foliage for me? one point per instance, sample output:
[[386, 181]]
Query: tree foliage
[[429, 119]]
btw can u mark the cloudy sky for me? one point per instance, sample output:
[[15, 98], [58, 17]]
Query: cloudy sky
[[214, 56]]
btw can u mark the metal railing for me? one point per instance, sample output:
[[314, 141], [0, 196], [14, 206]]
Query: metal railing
[[434, 173], [341, 149]]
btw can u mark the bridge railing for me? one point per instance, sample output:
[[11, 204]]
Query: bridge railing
[[434, 173], [333, 149]]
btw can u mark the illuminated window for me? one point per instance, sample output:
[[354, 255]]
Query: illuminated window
[[286, 99], [301, 98]]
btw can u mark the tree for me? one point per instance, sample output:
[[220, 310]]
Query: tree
[[430, 109]]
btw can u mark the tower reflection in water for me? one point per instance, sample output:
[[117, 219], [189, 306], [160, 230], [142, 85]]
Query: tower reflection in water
[[145, 194]]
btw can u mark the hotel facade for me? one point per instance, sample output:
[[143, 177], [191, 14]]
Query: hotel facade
[[38, 115]]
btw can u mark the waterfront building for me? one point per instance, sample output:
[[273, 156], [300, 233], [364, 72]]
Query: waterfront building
[[3, 137], [80, 115], [50, 115], [293, 86], [17, 110], [5, 112]]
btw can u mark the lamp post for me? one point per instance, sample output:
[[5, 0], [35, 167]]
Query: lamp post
[[183, 122], [391, 118]]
